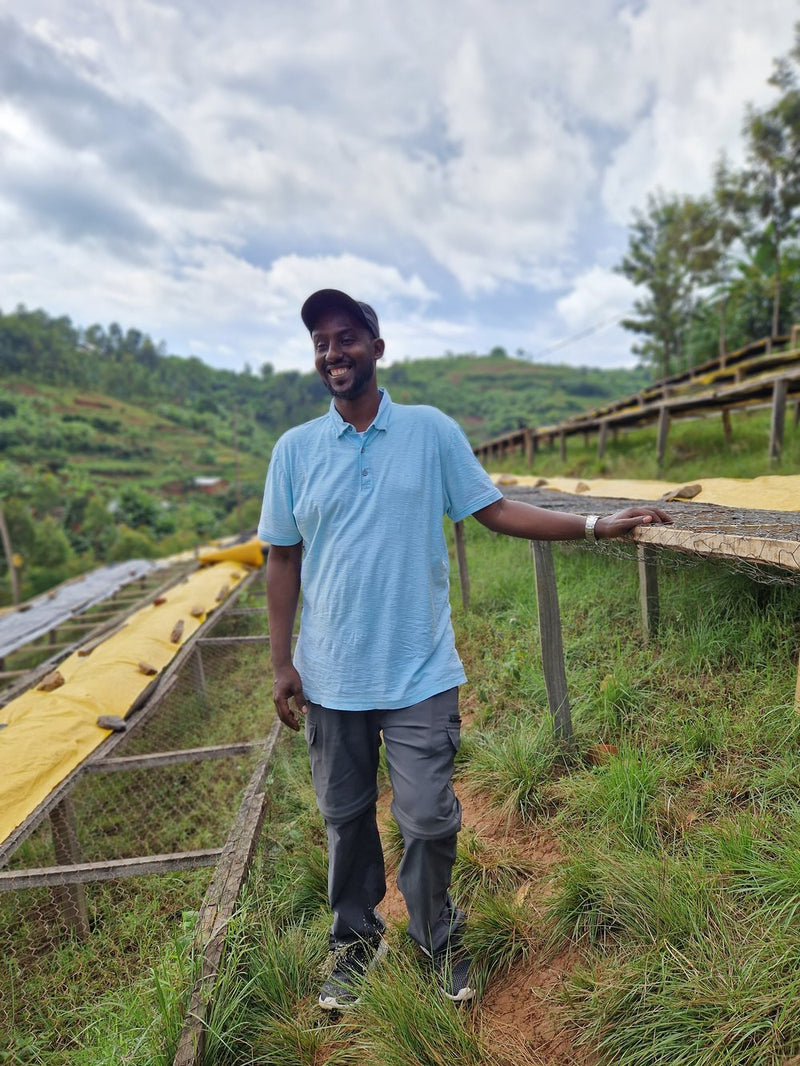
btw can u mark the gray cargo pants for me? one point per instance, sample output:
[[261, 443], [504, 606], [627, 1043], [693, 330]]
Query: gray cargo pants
[[421, 742]]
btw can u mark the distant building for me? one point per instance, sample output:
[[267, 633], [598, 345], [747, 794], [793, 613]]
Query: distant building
[[210, 485]]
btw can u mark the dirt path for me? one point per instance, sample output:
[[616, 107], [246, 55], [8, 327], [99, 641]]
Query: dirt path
[[519, 1011]]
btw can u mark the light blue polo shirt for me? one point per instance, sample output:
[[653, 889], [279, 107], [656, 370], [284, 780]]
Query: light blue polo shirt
[[375, 630]]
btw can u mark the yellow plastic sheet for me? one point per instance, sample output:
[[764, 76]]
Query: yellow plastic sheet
[[768, 493], [48, 734], [249, 552]]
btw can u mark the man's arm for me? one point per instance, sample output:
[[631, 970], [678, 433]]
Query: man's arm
[[283, 593], [518, 519]]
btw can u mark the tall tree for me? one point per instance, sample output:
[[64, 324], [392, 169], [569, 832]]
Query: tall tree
[[766, 194], [674, 248]]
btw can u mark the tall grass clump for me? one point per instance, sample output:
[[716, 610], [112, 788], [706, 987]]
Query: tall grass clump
[[616, 705], [484, 865], [625, 895], [264, 1006], [721, 1000], [404, 1022], [620, 797], [515, 768], [500, 933]]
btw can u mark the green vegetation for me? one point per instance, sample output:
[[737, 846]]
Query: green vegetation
[[720, 270], [111, 449], [668, 891], [672, 891]]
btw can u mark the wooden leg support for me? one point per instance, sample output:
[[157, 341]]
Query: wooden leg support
[[555, 675], [648, 590]]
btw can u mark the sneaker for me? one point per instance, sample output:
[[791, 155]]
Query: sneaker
[[350, 964], [452, 967]]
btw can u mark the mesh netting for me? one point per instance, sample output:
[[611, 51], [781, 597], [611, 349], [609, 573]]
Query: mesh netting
[[63, 946]]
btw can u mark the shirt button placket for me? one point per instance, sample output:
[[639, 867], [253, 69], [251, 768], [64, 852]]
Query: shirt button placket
[[366, 480]]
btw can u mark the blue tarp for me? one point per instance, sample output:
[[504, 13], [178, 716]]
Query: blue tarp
[[37, 617]]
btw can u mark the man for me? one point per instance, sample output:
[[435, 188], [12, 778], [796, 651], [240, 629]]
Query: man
[[353, 509]]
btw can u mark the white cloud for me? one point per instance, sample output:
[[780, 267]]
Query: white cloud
[[196, 170], [597, 296], [698, 64]]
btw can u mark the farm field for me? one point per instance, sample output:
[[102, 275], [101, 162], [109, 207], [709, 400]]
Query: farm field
[[632, 900]]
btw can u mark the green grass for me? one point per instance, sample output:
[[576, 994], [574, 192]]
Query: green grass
[[515, 767], [694, 449], [677, 883]]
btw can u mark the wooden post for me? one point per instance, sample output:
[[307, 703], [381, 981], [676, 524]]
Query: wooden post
[[778, 419], [602, 440], [198, 672], [555, 675], [71, 898], [663, 430], [726, 426], [529, 447], [648, 589], [562, 442], [463, 569]]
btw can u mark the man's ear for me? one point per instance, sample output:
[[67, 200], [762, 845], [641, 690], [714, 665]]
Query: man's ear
[[379, 347]]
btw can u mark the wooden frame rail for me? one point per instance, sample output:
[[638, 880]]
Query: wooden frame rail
[[743, 381]]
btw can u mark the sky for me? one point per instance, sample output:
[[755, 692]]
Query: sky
[[194, 169]]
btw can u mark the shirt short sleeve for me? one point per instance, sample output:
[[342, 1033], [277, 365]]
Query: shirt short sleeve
[[277, 525], [467, 486]]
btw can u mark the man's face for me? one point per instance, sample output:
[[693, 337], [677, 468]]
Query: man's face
[[345, 353]]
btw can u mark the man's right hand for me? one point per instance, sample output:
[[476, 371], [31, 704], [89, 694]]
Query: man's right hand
[[287, 686]]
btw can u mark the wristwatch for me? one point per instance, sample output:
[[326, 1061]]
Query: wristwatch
[[588, 530]]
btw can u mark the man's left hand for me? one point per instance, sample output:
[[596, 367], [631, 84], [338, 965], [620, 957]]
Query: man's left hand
[[622, 522]]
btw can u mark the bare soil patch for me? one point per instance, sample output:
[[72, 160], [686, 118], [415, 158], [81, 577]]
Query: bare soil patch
[[520, 1011]]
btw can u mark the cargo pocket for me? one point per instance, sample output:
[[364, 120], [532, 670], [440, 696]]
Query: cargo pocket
[[454, 731], [310, 730]]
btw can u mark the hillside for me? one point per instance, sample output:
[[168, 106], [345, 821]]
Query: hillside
[[486, 394], [110, 448], [491, 394]]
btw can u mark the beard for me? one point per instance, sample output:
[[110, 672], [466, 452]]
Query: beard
[[361, 379]]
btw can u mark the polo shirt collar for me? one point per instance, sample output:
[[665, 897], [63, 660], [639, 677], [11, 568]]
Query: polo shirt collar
[[380, 422]]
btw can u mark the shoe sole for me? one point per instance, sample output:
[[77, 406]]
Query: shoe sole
[[332, 1003]]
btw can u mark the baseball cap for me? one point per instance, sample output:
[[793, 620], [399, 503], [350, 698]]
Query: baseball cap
[[325, 299]]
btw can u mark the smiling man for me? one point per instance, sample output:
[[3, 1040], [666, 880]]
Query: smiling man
[[353, 509]]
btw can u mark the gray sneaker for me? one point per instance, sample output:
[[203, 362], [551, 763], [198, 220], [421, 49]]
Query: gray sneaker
[[452, 965], [350, 962]]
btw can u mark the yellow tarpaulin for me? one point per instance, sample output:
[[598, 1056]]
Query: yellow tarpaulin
[[47, 734], [768, 493]]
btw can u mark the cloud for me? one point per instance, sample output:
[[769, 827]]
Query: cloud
[[596, 296], [698, 65], [196, 170], [62, 98]]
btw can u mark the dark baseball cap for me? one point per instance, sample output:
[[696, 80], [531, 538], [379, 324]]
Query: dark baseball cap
[[325, 299]]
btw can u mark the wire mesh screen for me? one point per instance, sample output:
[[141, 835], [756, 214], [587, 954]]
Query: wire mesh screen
[[170, 789]]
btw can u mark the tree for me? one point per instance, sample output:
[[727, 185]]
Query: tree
[[763, 199], [674, 249]]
